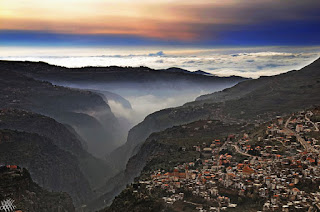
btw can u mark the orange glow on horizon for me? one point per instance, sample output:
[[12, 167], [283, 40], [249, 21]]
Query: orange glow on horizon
[[165, 19]]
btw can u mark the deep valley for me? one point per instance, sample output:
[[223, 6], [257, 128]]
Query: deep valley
[[79, 131]]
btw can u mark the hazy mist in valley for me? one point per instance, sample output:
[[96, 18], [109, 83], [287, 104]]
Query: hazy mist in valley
[[132, 102]]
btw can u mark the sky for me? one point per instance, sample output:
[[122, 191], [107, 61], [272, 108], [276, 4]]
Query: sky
[[159, 22], [248, 38]]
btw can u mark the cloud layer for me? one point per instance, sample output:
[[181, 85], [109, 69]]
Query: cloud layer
[[246, 62]]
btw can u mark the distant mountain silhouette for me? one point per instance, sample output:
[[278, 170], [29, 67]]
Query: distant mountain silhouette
[[203, 73], [115, 74]]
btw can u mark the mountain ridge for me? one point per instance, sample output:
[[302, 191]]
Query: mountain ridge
[[52, 67], [111, 74], [253, 84]]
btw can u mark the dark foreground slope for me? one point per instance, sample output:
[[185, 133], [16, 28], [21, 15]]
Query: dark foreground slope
[[52, 168], [85, 111], [95, 170], [252, 100], [17, 185]]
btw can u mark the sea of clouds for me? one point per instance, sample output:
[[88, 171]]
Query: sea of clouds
[[247, 62]]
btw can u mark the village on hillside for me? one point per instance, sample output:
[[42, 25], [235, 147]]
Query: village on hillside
[[281, 168]]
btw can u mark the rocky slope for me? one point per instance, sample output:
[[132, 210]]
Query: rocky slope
[[280, 94], [95, 170], [281, 83], [17, 185], [52, 168]]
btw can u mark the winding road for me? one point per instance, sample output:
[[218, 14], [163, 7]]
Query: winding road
[[315, 126], [240, 152], [303, 142]]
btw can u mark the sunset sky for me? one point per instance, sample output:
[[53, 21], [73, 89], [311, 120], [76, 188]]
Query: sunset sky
[[159, 22]]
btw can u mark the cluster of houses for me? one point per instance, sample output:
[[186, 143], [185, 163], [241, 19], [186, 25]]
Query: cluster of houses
[[13, 168], [282, 169]]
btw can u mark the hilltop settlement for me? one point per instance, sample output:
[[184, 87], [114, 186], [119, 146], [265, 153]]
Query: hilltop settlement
[[273, 167]]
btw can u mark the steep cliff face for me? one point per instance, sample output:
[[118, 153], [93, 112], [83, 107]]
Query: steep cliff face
[[35, 123], [50, 167], [152, 123], [95, 170], [85, 111], [16, 184], [116, 184]]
